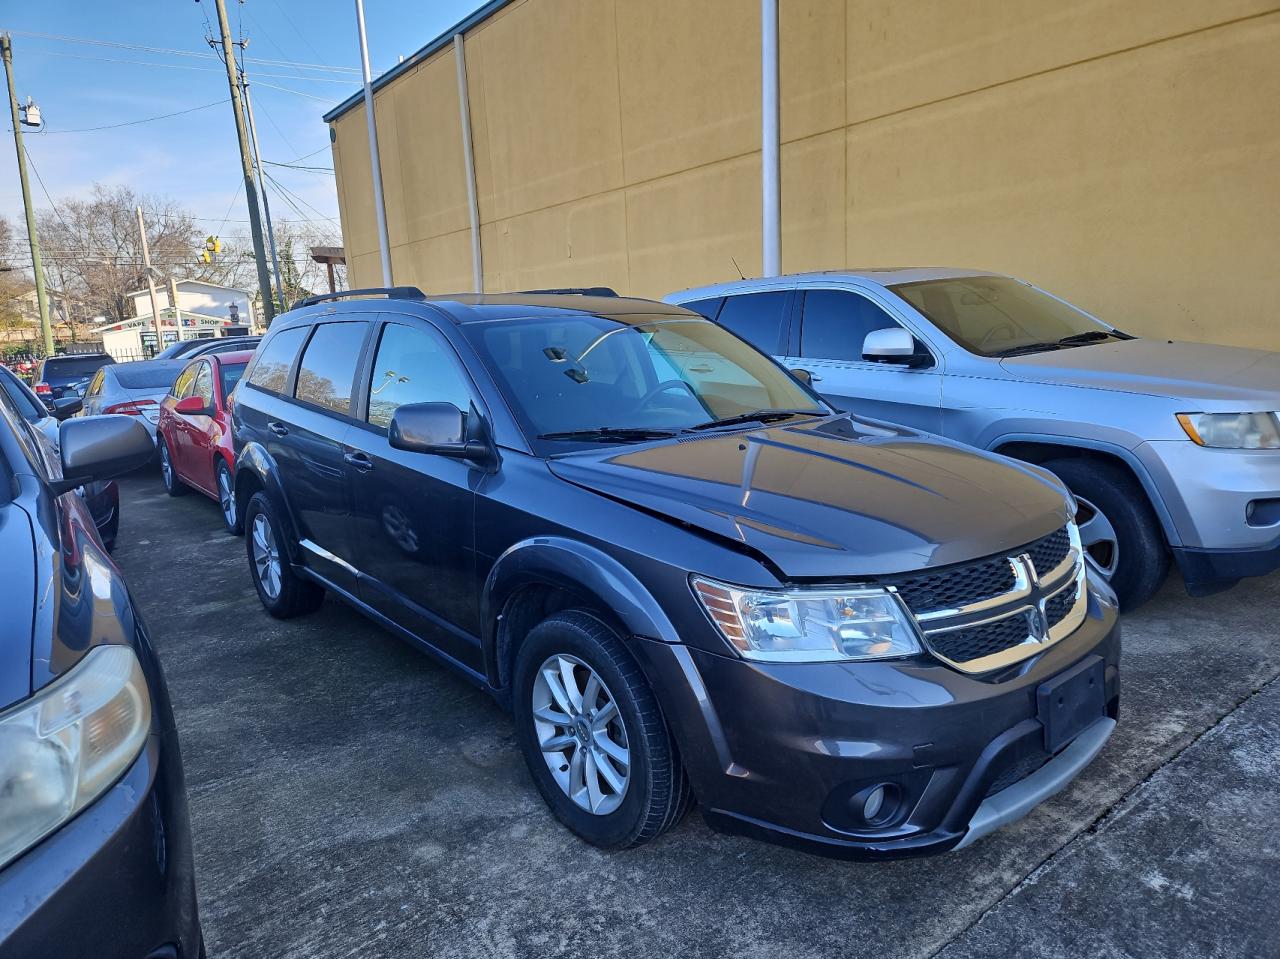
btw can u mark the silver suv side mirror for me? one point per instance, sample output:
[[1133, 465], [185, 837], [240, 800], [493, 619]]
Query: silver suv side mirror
[[892, 345]]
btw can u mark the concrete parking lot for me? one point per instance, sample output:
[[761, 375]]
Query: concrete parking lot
[[352, 798]]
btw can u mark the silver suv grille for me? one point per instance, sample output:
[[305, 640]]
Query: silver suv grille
[[986, 615]]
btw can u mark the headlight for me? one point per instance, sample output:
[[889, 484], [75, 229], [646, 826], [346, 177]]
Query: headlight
[[810, 625], [1233, 431], [66, 745]]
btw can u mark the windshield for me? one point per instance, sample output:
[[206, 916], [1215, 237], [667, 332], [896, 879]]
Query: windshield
[[576, 373], [996, 316]]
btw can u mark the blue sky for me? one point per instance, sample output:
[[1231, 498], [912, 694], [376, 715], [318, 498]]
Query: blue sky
[[193, 158]]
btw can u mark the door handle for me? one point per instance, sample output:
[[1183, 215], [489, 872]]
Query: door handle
[[278, 428], [360, 461]]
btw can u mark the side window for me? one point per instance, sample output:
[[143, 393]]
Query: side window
[[756, 317], [95, 385], [835, 322], [708, 308], [275, 359], [327, 375], [203, 386], [182, 385], [414, 366]]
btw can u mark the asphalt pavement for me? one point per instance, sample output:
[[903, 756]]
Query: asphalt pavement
[[350, 797]]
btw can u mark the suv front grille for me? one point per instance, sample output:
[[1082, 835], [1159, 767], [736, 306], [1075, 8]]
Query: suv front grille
[[987, 614]]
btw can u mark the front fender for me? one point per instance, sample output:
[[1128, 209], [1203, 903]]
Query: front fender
[[567, 563], [255, 469]]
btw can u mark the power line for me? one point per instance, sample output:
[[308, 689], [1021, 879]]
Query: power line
[[130, 123], [296, 93], [169, 51], [180, 66], [294, 166]]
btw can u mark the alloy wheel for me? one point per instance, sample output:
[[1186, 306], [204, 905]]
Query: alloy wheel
[[1098, 537], [581, 734], [266, 556], [166, 468], [226, 499]]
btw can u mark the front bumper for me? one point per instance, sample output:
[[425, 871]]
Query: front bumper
[[117, 881], [787, 753]]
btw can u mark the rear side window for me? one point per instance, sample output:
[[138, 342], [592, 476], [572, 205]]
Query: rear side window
[[272, 365], [708, 308], [834, 324], [230, 377], [27, 404], [328, 368], [148, 374], [413, 366], [756, 317]]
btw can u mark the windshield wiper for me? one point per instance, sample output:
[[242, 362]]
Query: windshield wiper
[[1029, 348], [608, 434], [1089, 336], [756, 416]]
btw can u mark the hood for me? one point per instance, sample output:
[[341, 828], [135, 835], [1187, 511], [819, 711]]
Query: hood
[[837, 498], [1194, 371], [18, 594]]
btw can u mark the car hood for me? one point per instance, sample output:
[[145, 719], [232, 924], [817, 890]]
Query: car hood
[[1198, 371], [18, 593], [833, 498]]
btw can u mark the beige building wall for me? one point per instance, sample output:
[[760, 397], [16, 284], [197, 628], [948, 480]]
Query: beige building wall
[[1122, 153]]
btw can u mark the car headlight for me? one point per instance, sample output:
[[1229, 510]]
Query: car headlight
[[1233, 431], [66, 745], [810, 625]]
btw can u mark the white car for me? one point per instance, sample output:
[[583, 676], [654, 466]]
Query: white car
[[134, 389]]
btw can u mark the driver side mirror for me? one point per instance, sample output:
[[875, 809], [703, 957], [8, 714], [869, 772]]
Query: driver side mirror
[[100, 447], [893, 345], [66, 406], [191, 406], [438, 428]]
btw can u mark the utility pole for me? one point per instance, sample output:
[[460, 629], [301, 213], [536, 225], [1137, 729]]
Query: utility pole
[[151, 283], [771, 185], [375, 164], [173, 301], [246, 165], [262, 188], [42, 297]]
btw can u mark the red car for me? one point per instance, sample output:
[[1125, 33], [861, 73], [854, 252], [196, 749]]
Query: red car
[[193, 437]]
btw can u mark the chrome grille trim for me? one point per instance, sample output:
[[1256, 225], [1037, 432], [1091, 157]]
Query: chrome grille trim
[[1030, 597]]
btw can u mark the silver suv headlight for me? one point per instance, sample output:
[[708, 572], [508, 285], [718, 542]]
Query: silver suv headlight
[[66, 745], [1233, 431], [810, 625]]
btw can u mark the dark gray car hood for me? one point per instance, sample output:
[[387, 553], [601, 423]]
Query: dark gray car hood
[[1193, 371], [833, 498]]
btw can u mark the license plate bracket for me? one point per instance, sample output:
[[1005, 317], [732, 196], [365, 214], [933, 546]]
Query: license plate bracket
[[1071, 702]]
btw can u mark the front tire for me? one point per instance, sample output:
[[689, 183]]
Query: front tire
[[283, 592], [172, 485], [226, 488], [593, 736], [1118, 527]]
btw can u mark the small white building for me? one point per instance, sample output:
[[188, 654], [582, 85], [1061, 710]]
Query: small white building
[[204, 310]]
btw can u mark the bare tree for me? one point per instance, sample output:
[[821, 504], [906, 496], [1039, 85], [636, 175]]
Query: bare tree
[[92, 245]]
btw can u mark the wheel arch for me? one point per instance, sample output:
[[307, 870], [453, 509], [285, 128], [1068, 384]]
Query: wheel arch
[[255, 472], [543, 575], [1041, 449]]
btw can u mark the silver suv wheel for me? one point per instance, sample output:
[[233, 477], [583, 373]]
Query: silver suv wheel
[[266, 556], [581, 734]]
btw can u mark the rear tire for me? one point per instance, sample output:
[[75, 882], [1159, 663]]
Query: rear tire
[[1119, 528], [172, 485], [283, 592], [619, 711]]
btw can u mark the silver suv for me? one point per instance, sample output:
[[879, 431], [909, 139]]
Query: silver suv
[[1171, 449]]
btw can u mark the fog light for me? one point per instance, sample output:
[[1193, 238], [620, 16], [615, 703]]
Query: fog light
[[872, 804]]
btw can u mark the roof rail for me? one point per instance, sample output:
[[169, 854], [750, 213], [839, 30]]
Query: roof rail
[[577, 291], [392, 292]]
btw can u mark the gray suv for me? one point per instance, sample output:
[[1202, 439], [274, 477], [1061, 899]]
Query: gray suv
[[1172, 449]]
